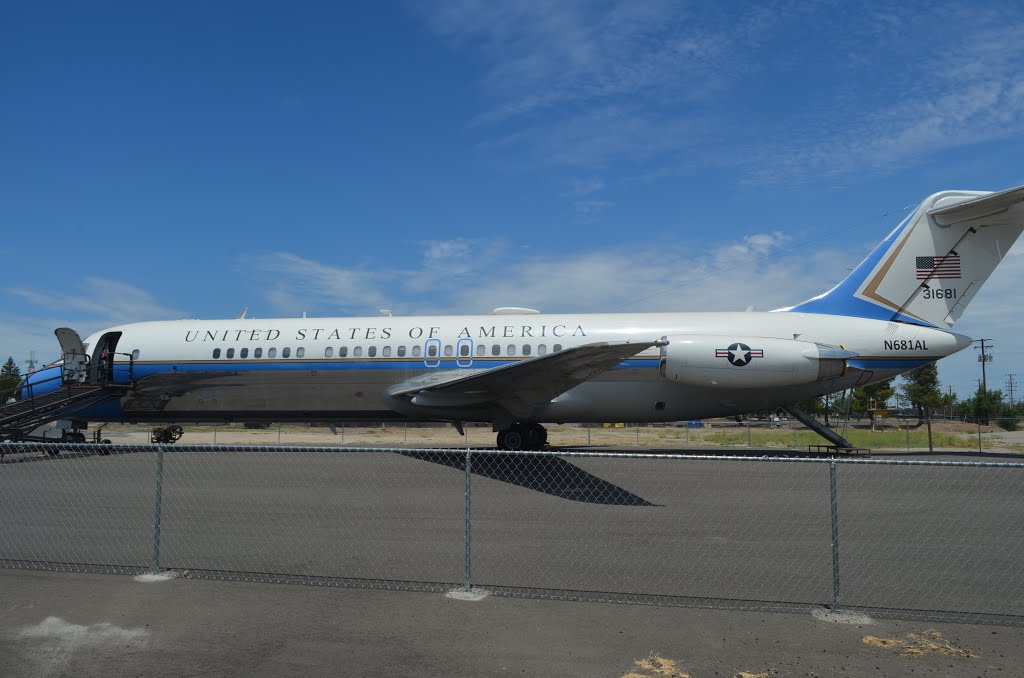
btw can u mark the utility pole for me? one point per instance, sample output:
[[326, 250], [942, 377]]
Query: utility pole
[[985, 357], [1011, 385]]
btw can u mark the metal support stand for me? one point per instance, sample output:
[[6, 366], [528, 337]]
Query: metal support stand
[[834, 495], [155, 565], [469, 517]]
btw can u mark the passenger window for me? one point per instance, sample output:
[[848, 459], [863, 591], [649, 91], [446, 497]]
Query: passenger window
[[329, 351], [286, 352], [216, 353], [448, 350], [542, 349], [401, 351], [244, 353], [135, 354], [464, 351], [230, 354], [357, 351], [526, 349], [481, 350], [271, 352], [300, 352], [511, 349], [432, 351], [556, 348], [416, 351], [496, 350], [258, 353], [343, 351], [372, 351], [386, 351]]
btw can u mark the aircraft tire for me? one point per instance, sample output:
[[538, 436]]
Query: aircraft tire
[[536, 436], [513, 439]]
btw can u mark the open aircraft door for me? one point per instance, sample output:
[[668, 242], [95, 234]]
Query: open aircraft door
[[76, 362]]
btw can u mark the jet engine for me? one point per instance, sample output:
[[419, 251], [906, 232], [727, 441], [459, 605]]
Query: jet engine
[[749, 362]]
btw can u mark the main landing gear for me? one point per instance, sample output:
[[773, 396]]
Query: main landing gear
[[523, 436]]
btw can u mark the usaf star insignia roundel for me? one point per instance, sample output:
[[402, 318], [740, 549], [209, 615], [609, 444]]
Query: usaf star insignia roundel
[[739, 354]]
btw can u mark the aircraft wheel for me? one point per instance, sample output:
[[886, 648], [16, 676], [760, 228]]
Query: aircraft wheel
[[536, 437], [513, 439]]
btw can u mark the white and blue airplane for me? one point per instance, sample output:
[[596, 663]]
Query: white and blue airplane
[[517, 368]]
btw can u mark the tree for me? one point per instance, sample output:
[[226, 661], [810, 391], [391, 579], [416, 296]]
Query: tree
[[921, 387], [872, 397], [10, 375], [10, 370], [984, 405]]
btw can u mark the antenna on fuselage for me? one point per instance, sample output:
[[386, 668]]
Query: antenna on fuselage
[[245, 310]]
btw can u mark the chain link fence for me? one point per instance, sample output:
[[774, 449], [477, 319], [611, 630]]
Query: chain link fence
[[909, 539]]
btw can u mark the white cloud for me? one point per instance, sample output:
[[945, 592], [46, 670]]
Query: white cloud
[[595, 85], [102, 300], [462, 276], [592, 208], [301, 284]]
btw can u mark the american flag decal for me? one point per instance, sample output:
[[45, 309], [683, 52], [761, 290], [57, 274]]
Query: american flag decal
[[931, 268]]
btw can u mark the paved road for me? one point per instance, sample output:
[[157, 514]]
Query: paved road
[[708, 532], [67, 624]]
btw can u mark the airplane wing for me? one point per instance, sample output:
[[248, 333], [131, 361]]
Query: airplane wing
[[527, 383]]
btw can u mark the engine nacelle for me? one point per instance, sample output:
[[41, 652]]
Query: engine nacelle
[[749, 362]]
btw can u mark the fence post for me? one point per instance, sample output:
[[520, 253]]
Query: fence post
[[748, 433], [155, 566], [469, 514], [979, 434], [835, 533]]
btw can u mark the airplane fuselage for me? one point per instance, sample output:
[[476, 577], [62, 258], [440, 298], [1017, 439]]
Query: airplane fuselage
[[338, 369]]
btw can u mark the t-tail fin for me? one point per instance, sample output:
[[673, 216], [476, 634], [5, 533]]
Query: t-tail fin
[[928, 269]]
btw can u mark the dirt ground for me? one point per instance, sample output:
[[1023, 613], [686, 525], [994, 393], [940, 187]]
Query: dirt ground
[[726, 435]]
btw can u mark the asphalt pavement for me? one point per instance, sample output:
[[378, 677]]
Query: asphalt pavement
[[71, 624], [928, 542]]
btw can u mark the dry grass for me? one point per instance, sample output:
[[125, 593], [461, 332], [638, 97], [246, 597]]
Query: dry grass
[[918, 645], [657, 667], [946, 435]]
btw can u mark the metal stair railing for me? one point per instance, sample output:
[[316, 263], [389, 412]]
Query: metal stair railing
[[30, 410]]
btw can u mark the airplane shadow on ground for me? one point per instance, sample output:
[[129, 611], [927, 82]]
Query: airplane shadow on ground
[[551, 475]]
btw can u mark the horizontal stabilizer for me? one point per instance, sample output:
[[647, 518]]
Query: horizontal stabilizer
[[978, 208]]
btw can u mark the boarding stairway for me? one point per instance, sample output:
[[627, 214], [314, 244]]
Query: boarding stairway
[[838, 442], [24, 409]]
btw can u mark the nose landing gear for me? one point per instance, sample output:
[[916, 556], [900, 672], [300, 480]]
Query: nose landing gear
[[523, 436]]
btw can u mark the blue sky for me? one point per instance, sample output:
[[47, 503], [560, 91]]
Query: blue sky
[[167, 160]]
